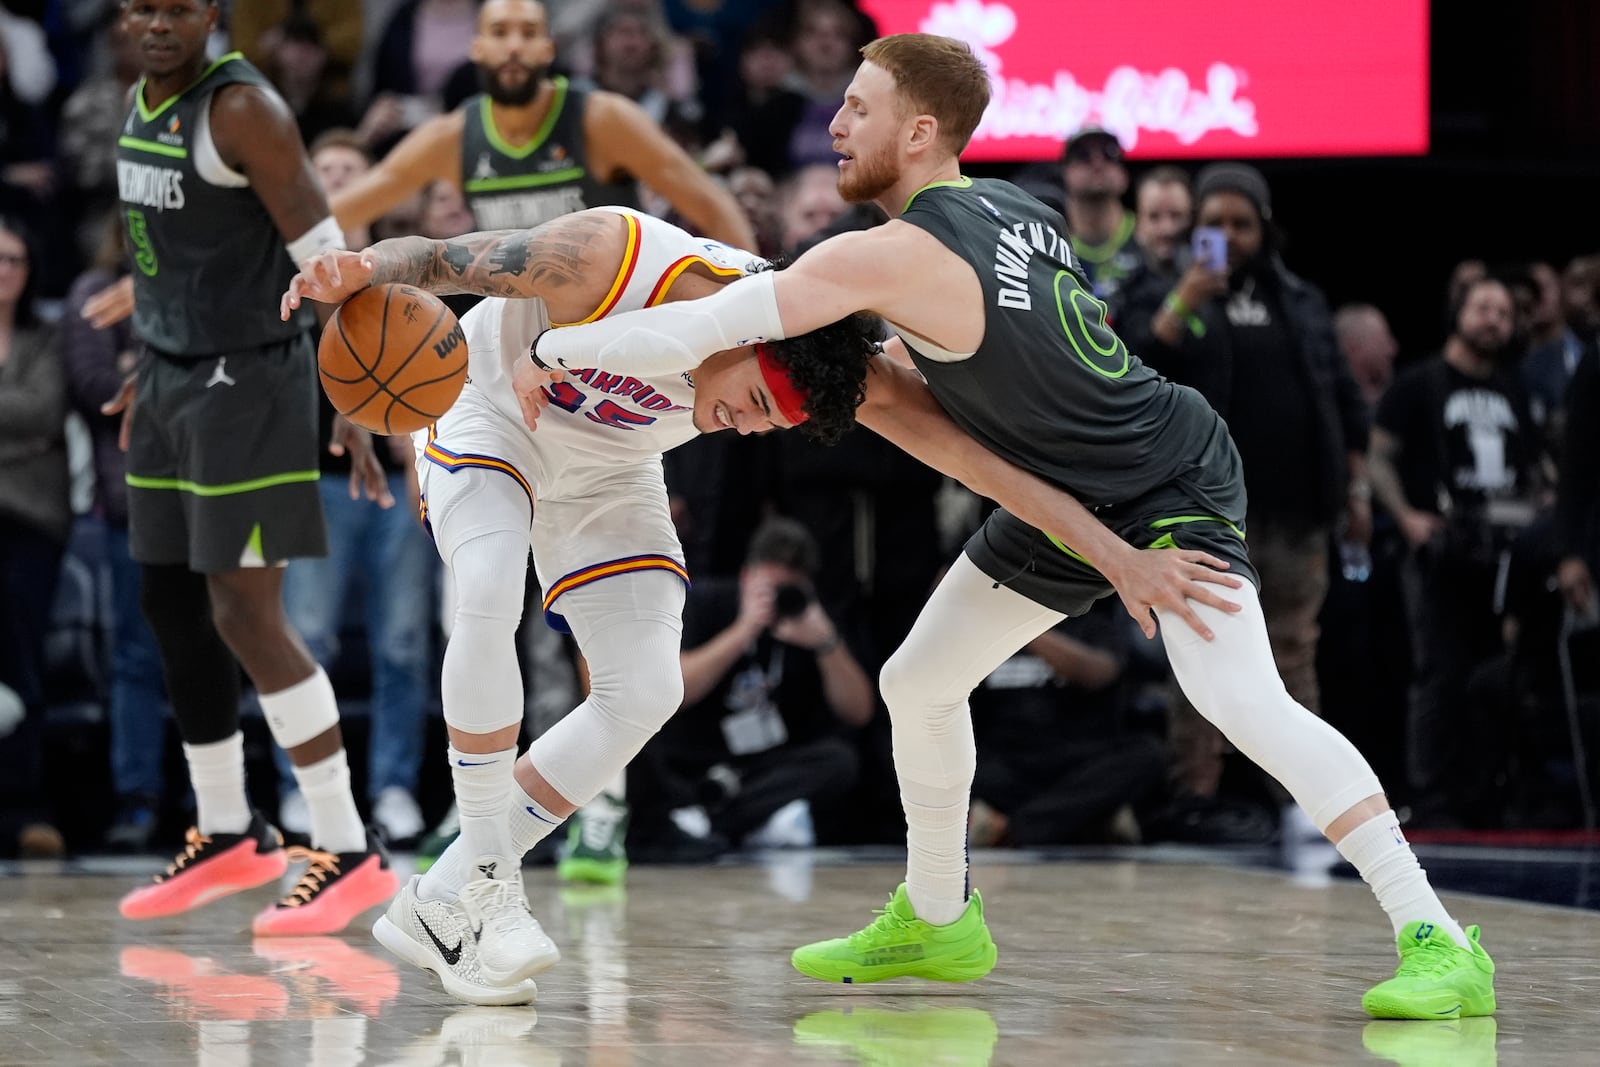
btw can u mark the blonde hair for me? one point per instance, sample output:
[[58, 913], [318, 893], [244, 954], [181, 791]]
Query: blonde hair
[[936, 76]]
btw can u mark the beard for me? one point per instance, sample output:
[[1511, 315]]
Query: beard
[[512, 96], [869, 178], [1490, 344]]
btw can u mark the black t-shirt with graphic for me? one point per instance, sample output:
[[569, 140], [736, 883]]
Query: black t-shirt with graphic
[[1462, 440], [1272, 418]]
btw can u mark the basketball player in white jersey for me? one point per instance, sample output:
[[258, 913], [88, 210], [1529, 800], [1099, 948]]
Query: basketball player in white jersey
[[569, 462]]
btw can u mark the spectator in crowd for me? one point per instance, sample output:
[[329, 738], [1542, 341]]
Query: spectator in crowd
[[27, 178], [828, 35], [810, 201], [35, 516], [385, 554], [1369, 347], [297, 61], [1163, 213], [1580, 298], [90, 120], [1454, 459], [765, 112], [770, 693], [636, 57], [257, 28], [423, 44], [1258, 342], [97, 363], [1056, 762], [1554, 349], [1100, 228], [1578, 492], [758, 197], [715, 30]]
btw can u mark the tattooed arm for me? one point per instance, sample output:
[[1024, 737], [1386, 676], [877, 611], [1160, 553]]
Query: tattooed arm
[[570, 261]]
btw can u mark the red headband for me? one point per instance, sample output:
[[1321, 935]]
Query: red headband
[[790, 400]]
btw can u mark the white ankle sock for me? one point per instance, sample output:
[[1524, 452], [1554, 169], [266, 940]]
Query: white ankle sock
[[216, 771], [1379, 851], [335, 822], [483, 784], [530, 822], [936, 851]]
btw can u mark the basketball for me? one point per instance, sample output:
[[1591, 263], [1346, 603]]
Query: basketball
[[392, 359]]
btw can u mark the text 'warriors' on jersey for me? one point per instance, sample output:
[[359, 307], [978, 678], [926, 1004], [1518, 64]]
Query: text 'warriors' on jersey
[[610, 417]]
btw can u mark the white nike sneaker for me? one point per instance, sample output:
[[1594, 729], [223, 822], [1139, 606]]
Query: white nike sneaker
[[437, 936], [511, 944]]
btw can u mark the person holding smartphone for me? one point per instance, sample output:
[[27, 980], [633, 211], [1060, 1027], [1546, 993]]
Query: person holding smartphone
[[1258, 342]]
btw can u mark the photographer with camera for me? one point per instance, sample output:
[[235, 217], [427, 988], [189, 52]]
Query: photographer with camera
[[770, 690], [1455, 458]]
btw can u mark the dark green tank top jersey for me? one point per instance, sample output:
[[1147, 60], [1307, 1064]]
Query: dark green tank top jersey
[[518, 188], [209, 263], [1054, 390]]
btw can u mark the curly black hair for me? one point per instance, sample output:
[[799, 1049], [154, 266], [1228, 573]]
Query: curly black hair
[[829, 367]]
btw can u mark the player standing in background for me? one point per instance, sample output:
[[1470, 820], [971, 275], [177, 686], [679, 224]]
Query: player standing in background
[[221, 431], [993, 308]]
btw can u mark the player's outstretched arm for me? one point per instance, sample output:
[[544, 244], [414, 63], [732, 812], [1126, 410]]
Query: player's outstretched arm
[[833, 280], [900, 408], [569, 253]]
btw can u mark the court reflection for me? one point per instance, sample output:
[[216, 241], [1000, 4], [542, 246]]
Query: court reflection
[[920, 1037]]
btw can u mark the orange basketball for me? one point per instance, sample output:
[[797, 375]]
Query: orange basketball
[[393, 358]]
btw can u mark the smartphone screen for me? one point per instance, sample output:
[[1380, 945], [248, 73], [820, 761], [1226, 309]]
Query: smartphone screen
[[1210, 246]]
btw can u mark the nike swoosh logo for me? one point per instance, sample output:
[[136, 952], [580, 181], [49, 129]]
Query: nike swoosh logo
[[1449, 1011], [485, 763], [542, 819], [452, 956]]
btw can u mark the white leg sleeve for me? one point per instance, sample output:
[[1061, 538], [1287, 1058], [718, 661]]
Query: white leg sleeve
[[1234, 683], [967, 629], [480, 523], [630, 630]]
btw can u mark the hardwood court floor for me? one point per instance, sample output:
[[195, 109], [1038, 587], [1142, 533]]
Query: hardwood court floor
[[1100, 963]]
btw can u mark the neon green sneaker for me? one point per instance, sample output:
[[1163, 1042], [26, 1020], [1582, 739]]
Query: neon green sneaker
[[1437, 979], [899, 945], [949, 1037], [596, 839], [1442, 1043]]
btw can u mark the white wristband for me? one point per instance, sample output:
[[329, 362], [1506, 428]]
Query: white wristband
[[321, 237], [672, 337]]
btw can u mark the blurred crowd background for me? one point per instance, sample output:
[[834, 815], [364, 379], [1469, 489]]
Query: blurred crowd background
[[1405, 352]]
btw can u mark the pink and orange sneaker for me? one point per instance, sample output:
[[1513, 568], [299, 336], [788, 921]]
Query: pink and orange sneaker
[[210, 866], [335, 888]]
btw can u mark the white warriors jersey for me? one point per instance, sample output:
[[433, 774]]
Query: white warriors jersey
[[613, 418]]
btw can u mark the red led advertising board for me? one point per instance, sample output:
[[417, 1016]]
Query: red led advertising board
[[1226, 78]]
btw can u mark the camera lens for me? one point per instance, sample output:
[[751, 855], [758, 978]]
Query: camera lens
[[790, 600]]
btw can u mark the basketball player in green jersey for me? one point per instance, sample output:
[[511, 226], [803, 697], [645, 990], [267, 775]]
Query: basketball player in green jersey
[[530, 148], [993, 309], [220, 204]]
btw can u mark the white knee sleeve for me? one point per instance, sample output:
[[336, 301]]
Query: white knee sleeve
[[482, 685], [301, 712], [1234, 683], [968, 628], [629, 631]]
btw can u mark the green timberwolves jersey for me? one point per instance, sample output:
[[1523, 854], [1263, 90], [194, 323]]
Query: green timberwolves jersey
[[518, 188], [1052, 388], [208, 262]]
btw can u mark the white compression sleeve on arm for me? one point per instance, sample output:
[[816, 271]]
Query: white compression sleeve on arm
[[669, 338]]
